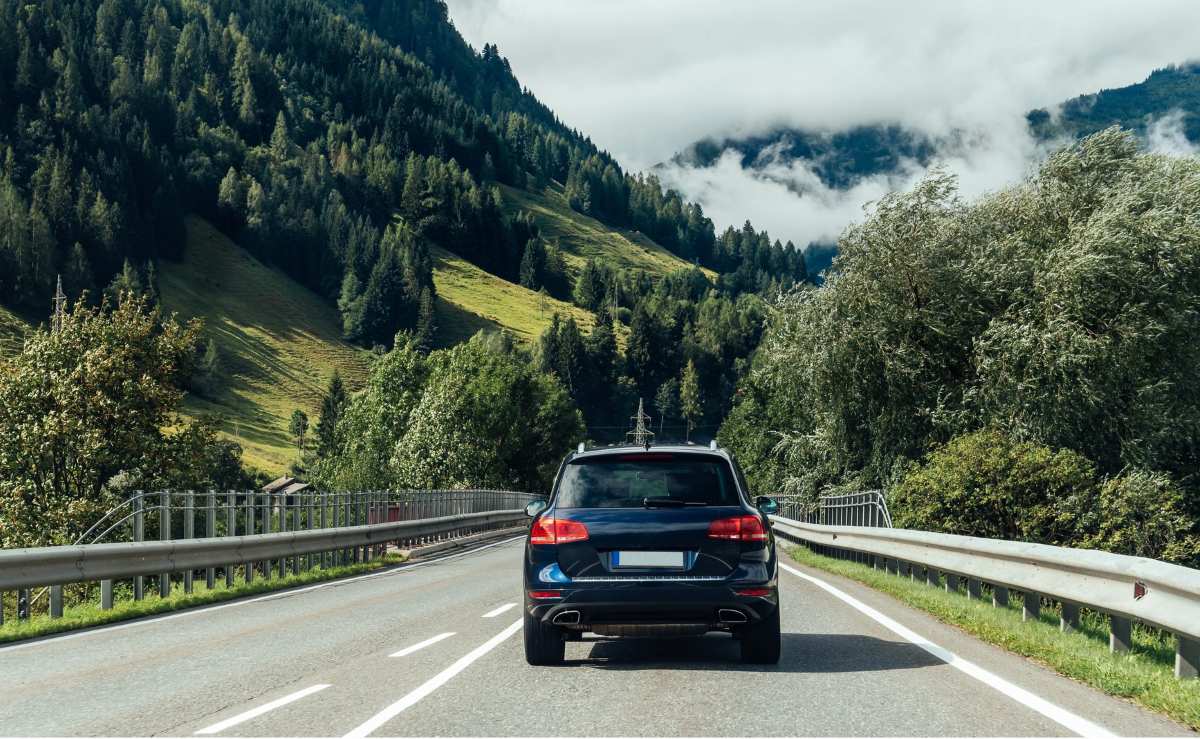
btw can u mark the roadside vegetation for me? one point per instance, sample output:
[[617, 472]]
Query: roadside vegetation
[[1023, 365], [1144, 674]]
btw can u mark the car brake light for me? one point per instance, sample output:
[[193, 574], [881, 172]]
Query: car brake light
[[738, 528], [550, 530], [754, 592], [545, 594]]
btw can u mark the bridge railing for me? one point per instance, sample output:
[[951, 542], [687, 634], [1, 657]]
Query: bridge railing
[[865, 508], [155, 539], [1125, 588]]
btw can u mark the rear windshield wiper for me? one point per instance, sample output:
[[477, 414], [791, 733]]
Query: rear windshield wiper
[[669, 503]]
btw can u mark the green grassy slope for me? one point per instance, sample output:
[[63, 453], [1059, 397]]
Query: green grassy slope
[[582, 238], [279, 342], [12, 332], [470, 299]]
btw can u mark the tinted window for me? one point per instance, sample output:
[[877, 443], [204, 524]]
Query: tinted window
[[627, 481]]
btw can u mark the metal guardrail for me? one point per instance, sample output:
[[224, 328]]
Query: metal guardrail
[[1126, 588], [280, 532], [866, 508]]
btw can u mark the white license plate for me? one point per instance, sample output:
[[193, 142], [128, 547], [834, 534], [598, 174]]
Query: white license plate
[[647, 559]]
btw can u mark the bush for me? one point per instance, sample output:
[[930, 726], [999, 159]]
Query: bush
[[987, 484], [1142, 513]]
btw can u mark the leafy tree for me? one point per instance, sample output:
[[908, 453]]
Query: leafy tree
[[206, 374], [666, 402], [80, 404], [1058, 311], [691, 402], [299, 427]]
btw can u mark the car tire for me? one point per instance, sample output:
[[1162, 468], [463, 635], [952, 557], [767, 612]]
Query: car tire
[[544, 644], [761, 641]]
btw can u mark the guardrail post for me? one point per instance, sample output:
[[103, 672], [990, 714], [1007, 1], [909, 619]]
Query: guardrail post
[[56, 601], [250, 503], [931, 577], [1031, 607], [1120, 633], [324, 520], [1069, 620], [231, 530], [1187, 658], [312, 509], [189, 532], [164, 534], [268, 514], [23, 604], [106, 595], [283, 526], [210, 531], [951, 582], [999, 596], [139, 533], [974, 589]]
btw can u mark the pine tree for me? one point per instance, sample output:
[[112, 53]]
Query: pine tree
[[332, 405]]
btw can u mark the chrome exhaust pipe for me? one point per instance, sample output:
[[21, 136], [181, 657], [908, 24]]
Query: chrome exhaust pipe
[[731, 616], [566, 618]]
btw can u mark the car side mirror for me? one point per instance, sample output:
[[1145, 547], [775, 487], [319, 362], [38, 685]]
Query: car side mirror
[[767, 505], [534, 507]]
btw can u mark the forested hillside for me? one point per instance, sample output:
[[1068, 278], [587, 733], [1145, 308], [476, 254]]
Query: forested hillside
[[346, 144]]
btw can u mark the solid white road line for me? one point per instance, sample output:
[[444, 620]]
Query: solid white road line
[[1061, 716], [265, 708], [498, 611], [422, 645], [248, 601], [432, 684]]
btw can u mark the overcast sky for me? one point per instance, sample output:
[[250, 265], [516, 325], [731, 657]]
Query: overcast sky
[[645, 78]]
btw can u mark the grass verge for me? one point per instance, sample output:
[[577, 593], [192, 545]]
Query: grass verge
[[1144, 675], [88, 615]]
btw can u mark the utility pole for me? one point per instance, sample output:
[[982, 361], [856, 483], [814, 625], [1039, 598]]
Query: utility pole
[[641, 434]]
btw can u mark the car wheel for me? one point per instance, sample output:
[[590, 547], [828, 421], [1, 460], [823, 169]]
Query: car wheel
[[760, 641], [544, 643]]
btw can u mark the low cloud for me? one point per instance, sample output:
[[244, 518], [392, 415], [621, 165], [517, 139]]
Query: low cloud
[[789, 199], [646, 80], [1166, 136]]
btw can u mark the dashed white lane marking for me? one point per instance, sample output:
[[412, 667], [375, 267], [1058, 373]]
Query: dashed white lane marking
[[1071, 721], [497, 611], [248, 601], [432, 684], [421, 645], [265, 708]]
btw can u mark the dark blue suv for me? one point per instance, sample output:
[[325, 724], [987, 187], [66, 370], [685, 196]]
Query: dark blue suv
[[660, 541]]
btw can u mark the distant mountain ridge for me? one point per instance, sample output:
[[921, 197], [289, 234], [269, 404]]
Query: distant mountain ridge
[[1167, 102]]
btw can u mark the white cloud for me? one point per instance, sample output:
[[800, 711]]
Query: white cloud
[[1165, 136], [645, 80]]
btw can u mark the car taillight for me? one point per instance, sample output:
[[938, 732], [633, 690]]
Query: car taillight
[[545, 594], [754, 592], [550, 530], [738, 528]]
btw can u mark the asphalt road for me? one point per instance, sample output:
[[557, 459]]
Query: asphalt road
[[435, 649]]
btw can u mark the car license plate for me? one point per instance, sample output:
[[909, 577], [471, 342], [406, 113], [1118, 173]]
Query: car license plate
[[647, 559]]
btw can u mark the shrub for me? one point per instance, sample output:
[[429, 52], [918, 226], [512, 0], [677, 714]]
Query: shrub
[[1142, 513], [988, 484]]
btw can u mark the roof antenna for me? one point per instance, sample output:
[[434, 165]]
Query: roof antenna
[[642, 435]]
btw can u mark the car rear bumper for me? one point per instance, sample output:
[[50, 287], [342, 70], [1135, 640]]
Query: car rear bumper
[[642, 604]]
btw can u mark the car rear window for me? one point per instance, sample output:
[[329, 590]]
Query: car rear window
[[628, 481]]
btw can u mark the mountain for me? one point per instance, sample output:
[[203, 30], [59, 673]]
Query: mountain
[[1164, 110], [363, 155], [1172, 92]]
